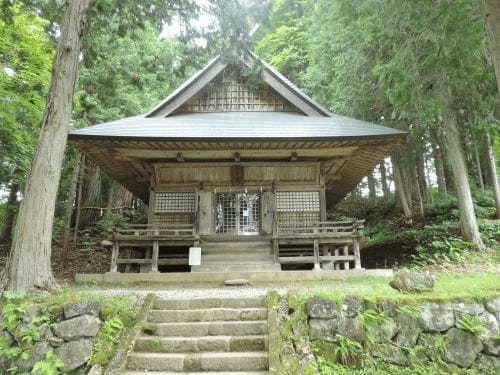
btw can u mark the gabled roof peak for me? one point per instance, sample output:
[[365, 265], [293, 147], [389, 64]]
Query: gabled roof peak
[[269, 75]]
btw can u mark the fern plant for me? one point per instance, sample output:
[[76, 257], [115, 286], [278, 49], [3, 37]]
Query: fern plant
[[348, 352], [471, 323], [411, 311], [50, 365]]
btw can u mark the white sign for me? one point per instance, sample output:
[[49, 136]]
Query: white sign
[[195, 256]]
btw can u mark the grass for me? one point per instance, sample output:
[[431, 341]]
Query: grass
[[448, 286]]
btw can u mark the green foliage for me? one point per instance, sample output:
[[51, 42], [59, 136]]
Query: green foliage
[[408, 310], [50, 365], [12, 313], [471, 323], [25, 60], [107, 339]]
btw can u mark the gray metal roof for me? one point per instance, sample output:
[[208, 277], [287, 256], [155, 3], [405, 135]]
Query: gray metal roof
[[237, 125]]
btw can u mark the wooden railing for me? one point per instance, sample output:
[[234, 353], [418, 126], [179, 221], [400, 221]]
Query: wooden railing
[[139, 231], [150, 236], [336, 243], [321, 229]]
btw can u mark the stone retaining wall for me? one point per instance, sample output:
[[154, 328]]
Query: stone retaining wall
[[70, 337], [463, 334]]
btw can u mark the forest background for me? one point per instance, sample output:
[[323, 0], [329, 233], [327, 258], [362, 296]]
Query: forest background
[[424, 66]]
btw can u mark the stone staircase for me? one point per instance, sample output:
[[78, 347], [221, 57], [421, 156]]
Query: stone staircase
[[237, 256], [203, 337]]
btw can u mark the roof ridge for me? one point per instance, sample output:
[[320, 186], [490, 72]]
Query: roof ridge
[[277, 81]]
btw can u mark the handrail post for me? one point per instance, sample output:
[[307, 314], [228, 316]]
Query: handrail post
[[154, 256], [114, 257], [356, 240]]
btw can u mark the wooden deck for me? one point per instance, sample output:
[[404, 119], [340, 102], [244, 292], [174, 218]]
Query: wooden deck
[[327, 245]]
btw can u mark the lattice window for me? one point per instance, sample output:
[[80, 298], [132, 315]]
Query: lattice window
[[175, 202], [297, 201], [297, 208]]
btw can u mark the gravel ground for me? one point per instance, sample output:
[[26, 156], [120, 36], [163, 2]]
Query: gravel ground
[[200, 291]]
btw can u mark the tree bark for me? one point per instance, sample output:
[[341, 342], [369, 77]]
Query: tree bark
[[479, 170], [491, 13], [400, 188], [71, 203], [439, 165], [383, 178], [29, 264], [493, 172], [455, 156], [417, 200], [79, 201], [10, 217], [118, 197], [422, 179], [372, 192]]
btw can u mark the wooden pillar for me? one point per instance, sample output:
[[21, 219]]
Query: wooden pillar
[[317, 265], [154, 258], [337, 264], [346, 253], [114, 257], [357, 255], [276, 251]]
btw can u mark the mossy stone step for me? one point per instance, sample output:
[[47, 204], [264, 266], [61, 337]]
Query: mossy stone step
[[209, 303], [206, 315], [208, 361], [215, 328], [200, 344]]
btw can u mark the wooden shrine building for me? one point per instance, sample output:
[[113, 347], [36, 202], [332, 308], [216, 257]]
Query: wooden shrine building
[[239, 169]]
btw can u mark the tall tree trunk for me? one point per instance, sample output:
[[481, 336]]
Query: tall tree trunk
[[491, 13], [422, 180], [400, 188], [493, 172], [372, 192], [478, 168], [118, 197], [439, 165], [79, 201], [91, 196], [71, 203], [416, 191], [10, 216], [29, 263], [455, 156], [383, 178]]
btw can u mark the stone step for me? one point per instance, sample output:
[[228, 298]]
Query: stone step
[[237, 267], [200, 344], [195, 373], [207, 315], [216, 328], [209, 303], [207, 361]]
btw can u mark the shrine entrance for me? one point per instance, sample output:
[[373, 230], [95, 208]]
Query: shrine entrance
[[237, 213]]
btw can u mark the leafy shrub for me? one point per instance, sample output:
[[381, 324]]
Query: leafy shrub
[[50, 365], [471, 323]]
